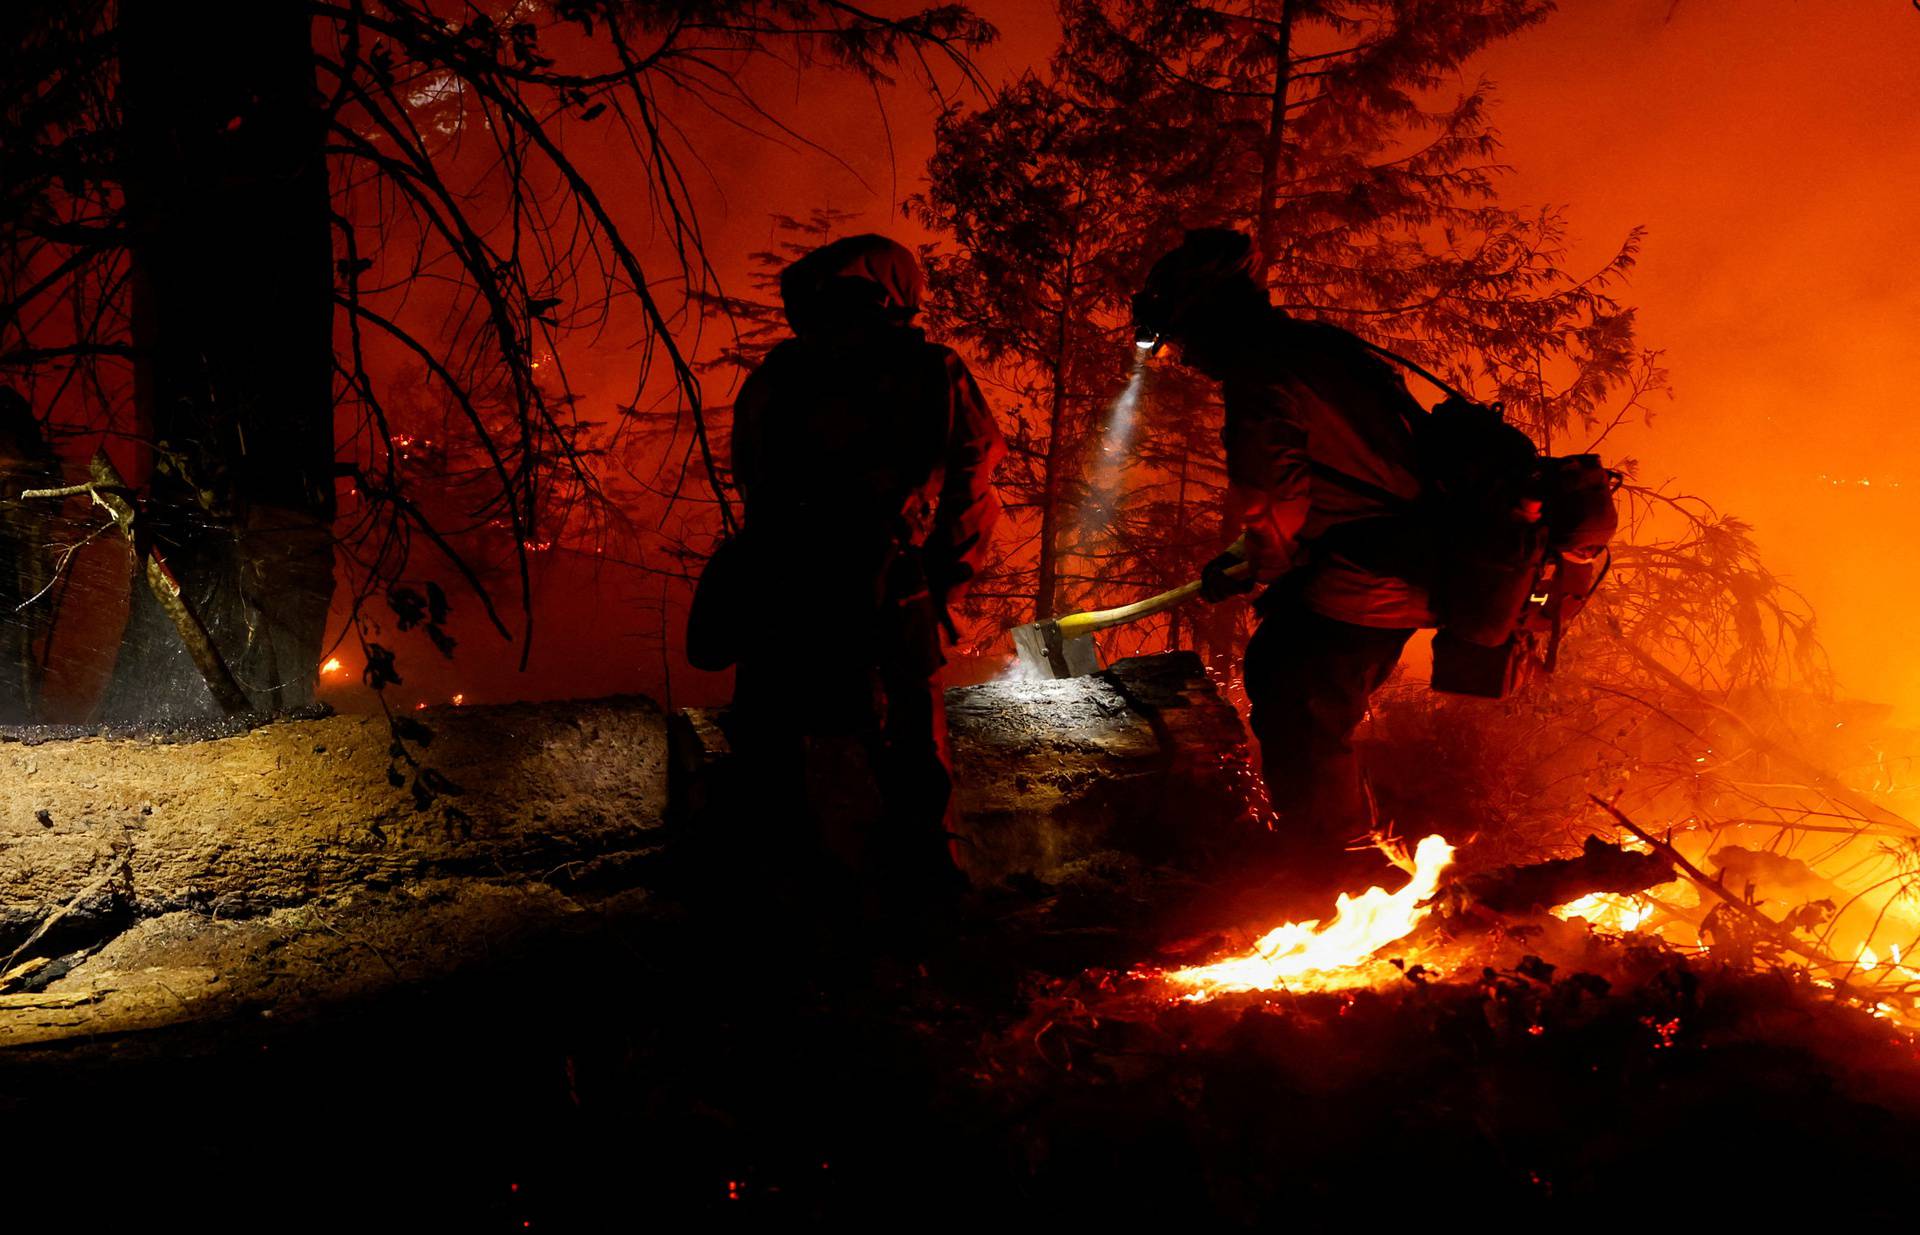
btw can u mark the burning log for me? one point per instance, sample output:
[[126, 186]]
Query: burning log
[[1539, 886]]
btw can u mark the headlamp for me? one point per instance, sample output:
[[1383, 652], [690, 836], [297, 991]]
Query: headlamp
[[1148, 323]]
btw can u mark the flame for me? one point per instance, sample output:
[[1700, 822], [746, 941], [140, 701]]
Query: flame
[[1361, 926], [332, 666], [1608, 911]]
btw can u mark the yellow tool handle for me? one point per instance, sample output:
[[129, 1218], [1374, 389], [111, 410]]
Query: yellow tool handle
[[1076, 624]]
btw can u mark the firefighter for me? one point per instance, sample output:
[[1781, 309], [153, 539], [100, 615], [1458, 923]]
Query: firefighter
[[864, 454], [1320, 468]]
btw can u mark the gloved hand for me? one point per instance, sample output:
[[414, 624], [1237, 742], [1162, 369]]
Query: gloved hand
[[1216, 584]]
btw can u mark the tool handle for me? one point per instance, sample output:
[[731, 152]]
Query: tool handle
[[1076, 624]]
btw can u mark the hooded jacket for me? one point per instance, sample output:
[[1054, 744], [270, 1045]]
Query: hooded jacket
[[858, 433]]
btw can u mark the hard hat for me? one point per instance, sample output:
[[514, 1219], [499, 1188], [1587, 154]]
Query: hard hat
[[869, 269], [1209, 260]]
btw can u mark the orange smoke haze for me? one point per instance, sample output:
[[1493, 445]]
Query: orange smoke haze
[[1772, 149]]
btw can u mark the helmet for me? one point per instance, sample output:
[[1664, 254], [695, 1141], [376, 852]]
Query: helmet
[[1210, 260], [852, 274]]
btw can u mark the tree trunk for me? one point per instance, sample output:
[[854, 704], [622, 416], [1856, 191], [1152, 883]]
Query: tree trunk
[[1267, 215], [1220, 625], [1046, 589], [227, 197]]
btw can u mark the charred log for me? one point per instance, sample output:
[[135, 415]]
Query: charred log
[[1538, 886]]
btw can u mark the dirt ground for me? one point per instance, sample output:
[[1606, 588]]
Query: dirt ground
[[285, 999]]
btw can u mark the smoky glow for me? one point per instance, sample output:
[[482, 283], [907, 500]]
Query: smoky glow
[[1116, 443]]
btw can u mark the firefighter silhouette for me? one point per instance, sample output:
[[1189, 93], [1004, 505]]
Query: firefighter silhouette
[[1321, 466], [864, 454]]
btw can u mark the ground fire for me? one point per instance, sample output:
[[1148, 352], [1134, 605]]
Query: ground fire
[[1315, 956], [787, 613]]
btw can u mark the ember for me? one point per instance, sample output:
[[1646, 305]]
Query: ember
[[1314, 957]]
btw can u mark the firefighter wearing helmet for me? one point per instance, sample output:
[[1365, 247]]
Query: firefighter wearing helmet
[[865, 455], [1320, 465]]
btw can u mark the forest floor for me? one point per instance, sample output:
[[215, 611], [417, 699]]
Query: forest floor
[[500, 1031]]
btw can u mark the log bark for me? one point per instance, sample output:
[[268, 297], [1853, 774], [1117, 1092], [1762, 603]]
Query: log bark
[[274, 871], [1539, 886], [1143, 761], [285, 814]]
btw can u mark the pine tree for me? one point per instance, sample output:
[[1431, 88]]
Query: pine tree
[[284, 246], [1320, 127], [1033, 190]]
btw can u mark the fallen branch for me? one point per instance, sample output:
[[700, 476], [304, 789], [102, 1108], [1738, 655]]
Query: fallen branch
[[1541, 885], [44, 1000], [21, 973], [119, 864], [109, 491], [1779, 934], [90, 488]]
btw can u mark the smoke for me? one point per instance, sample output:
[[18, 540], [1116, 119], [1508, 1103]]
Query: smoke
[[1110, 461]]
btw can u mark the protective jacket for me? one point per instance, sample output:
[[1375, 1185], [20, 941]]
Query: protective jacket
[[868, 432], [1321, 469], [865, 454], [858, 443]]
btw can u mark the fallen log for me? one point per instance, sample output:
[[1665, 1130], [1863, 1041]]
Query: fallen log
[[281, 814], [1538, 886], [1143, 761], [148, 882], [275, 867]]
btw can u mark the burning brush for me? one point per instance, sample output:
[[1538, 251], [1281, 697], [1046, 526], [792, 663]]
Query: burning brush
[[1313, 956]]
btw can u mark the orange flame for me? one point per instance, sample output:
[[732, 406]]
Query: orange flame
[[1309, 955], [1607, 911]]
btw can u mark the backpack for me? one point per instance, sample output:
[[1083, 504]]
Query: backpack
[[1518, 540], [1522, 542]]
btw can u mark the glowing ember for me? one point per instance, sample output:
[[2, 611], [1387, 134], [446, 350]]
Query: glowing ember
[[1608, 911], [1307, 954], [333, 665]]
